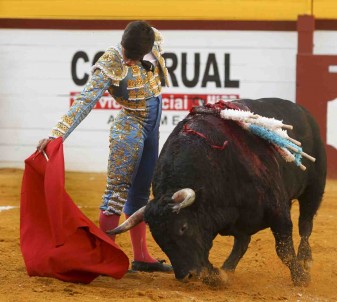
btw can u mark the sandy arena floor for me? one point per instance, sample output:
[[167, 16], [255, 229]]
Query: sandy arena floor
[[260, 275]]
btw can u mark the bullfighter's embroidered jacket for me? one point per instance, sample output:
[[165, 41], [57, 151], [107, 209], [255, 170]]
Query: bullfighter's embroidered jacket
[[130, 86]]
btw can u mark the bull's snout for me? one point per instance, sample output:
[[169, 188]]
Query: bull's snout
[[186, 277]]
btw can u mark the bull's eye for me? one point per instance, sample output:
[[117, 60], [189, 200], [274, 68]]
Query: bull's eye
[[183, 229]]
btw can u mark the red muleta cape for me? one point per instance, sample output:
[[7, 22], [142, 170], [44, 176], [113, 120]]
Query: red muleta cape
[[57, 239]]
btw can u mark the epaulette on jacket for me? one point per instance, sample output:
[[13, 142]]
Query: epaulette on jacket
[[111, 64]]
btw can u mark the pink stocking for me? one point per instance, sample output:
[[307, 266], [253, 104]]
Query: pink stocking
[[108, 222], [138, 239]]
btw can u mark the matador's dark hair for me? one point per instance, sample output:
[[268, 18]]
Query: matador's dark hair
[[137, 40]]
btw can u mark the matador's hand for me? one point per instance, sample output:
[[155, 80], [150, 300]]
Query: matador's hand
[[43, 143]]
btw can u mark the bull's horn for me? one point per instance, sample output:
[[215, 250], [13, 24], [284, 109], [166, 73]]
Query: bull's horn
[[182, 198], [136, 218]]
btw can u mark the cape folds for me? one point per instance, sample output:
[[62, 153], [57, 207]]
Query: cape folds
[[57, 239]]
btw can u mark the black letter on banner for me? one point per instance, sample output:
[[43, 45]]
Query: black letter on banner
[[173, 57], [194, 81], [163, 120], [176, 119], [228, 81], [111, 119], [211, 60], [97, 56], [79, 55]]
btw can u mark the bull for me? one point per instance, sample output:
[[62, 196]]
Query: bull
[[214, 177]]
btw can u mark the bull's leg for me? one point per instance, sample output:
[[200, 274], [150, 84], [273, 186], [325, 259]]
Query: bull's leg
[[239, 249], [282, 230], [309, 203]]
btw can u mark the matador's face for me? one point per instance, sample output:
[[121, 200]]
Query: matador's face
[[128, 62]]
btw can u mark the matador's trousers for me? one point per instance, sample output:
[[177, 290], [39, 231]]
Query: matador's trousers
[[134, 143]]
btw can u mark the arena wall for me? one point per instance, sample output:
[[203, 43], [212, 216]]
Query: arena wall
[[157, 10], [168, 10]]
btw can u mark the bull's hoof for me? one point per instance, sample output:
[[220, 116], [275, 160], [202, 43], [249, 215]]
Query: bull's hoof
[[228, 268], [215, 279], [302, 279]]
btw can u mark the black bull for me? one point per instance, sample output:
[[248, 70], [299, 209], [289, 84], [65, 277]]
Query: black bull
[[241, 185]]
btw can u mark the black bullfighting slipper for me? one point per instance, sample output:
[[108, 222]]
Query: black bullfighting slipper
[[151, 267]]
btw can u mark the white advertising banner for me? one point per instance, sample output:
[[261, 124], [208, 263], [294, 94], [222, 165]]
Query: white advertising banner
[[42, 70], [331, 138]]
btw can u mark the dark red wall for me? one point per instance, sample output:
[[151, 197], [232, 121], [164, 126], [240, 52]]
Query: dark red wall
[[315, 85]]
